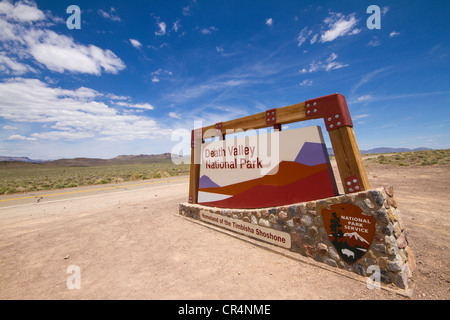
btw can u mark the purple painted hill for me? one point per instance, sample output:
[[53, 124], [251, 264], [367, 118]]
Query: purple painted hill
[[312, 154], [206, 182]]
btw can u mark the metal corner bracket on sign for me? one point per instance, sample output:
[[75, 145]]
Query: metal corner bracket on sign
[[271, 117], [352, 184], [332, 108]]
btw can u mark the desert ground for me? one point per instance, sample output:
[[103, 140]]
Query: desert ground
[[128, 242]]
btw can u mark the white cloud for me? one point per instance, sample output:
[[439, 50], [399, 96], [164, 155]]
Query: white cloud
[[83, 93], [60, 53], [360, 116], [363, 98], [339, 25], [303, 36], [8, 31], [176, 26], [115, 97], [174, 115], [162, 72], [72, 114], [187, 11], [135, 43], [22, 11], [19, 137], [67, 134], [206, 88], [219, 49], [333, 65], [253, 72], [146, 106], [111, 15], [56, 52], [329, 64], [9, 127], [158, 73], [306, 83], [394, 34], [208, 30], [366, 78], [269, 22], [374, 42], [12, 66], [162, 29]]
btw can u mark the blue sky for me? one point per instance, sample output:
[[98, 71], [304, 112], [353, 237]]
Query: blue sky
[[139, 74]]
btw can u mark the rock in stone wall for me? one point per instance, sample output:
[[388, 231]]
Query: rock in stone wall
[[388, 250]]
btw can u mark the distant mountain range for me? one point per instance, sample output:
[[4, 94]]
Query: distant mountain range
[[21, 159], [88, 162], [383, 150], [143, 158]]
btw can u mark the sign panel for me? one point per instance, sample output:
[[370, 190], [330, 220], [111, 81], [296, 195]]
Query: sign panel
[[279, 238], [350, 231], [266, 170]]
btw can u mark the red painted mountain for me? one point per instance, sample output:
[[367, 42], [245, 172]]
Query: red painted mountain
[[311, 187], [286, 173]]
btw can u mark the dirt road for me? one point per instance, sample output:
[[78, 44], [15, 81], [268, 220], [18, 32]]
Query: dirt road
[[127, 242]]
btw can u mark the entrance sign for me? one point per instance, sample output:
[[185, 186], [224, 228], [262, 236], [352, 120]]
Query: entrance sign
[[279, 188], [332, 108], [266, 170]]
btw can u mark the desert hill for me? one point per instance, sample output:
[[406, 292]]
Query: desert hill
[[90, 162]]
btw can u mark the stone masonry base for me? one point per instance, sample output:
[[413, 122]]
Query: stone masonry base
[[389, 251]]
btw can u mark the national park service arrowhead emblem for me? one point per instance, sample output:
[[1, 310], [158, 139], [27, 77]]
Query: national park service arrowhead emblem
[[350, 231]]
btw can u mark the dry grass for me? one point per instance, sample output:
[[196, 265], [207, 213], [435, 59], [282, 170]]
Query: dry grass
[[25, 177], [416, 158]]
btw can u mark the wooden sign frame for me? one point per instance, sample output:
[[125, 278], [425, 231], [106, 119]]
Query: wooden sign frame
[[332, 108]]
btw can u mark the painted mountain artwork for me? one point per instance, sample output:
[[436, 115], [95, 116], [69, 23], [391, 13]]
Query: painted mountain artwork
[[302, 172]]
